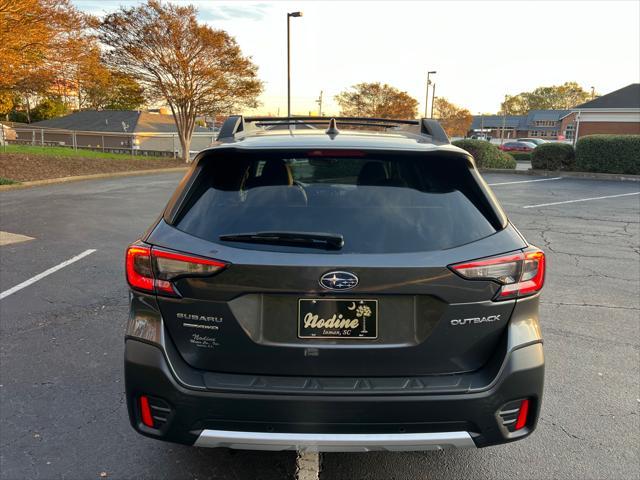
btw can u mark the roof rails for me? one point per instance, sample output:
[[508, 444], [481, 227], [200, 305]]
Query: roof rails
[[425, 127]]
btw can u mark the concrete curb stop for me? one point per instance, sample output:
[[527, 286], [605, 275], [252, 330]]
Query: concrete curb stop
[[620, 177]]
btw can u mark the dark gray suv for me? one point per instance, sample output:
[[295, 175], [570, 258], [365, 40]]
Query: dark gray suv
[[337, 284]]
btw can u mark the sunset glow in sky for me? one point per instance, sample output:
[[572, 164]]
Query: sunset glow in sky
[[481, 50]]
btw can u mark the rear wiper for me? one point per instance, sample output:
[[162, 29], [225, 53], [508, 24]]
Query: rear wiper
[[328, 241]]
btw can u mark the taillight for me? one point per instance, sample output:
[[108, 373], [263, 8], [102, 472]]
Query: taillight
[[138, 266], [153, 270], [520, 274]]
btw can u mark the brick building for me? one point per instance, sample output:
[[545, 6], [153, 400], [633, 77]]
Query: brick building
[[617, 112]]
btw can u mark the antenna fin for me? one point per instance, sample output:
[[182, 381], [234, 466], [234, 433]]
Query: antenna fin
[[333, 128]]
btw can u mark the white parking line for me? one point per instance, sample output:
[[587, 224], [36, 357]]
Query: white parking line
[[581, 200], [525, 181], [40, 276]]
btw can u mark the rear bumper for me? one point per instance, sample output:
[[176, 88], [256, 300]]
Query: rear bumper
[[327, 442], [411, 420]]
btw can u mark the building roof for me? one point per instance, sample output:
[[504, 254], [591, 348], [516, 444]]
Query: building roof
[[626, 97], [115, 121], [120, 121], [496, 121], [519, 122]]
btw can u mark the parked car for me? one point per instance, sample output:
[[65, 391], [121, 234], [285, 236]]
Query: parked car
[[535, 141], [517, 147], [336, 291]]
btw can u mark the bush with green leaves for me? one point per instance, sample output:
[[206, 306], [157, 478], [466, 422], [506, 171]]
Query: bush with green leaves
[[486, 154], [608, 154], [553, 156], [521, 156]]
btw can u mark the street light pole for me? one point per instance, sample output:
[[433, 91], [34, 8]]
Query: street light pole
[[426, 98], [289, 15]]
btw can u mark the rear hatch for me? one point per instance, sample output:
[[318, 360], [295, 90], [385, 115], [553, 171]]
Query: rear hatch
[[336, 263]]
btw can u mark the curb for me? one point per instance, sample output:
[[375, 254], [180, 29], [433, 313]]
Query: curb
[[54, 181], [620, 177]]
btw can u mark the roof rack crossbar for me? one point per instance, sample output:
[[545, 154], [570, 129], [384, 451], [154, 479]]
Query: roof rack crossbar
[[337, 119], [323, 122]]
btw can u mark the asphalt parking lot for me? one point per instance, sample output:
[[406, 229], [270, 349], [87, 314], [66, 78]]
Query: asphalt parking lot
[[62, 408]]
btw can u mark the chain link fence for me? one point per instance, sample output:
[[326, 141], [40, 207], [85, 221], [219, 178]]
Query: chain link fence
[[139, 143]]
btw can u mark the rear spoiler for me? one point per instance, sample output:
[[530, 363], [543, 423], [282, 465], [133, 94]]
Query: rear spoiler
[[425, 127]]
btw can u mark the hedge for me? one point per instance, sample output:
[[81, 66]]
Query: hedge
[[521, 156], [609, 154], [553, 156], [486, 154]]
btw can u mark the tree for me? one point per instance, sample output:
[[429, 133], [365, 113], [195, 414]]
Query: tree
[[455, 120], [49, 108], [6, 103], [40, 41], [124, 94], [377, 100], [100, 88], [195, 69], [555, 97]]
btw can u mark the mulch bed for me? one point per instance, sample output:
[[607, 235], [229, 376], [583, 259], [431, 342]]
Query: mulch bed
[[23, 168]]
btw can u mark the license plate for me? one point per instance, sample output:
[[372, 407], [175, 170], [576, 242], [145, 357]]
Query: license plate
[[352, 319]]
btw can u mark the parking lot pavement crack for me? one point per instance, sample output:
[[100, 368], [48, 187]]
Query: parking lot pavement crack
[[561, 428], [593, 305]]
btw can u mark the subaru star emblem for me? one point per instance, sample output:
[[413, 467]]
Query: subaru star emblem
[[338, 280]]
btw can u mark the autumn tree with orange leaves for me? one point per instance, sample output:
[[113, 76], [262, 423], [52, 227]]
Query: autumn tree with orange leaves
[[377, 100], [194, 68], [455, 120]]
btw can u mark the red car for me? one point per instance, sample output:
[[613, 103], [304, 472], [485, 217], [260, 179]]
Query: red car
[[517, 147]]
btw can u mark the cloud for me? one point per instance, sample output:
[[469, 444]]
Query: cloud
[[245, 11]]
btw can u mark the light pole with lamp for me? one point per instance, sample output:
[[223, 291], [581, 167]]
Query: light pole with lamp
[[289, 15], [426, 98]]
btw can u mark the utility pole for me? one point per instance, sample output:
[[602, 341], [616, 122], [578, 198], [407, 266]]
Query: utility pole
[[433, 99], [319, 102], [504, 120], [593, 93]]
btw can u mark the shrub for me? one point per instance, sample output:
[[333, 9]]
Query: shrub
[[553, 156], [609, 154], [521, 156], [486, 154]]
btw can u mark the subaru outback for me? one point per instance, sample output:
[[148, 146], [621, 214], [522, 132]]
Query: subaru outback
[[343, 284]]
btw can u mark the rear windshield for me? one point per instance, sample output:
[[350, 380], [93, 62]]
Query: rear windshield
[[378, 203]]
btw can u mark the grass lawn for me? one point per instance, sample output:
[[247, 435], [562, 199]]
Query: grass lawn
[[61, 152], [7, 181], [24, 163]]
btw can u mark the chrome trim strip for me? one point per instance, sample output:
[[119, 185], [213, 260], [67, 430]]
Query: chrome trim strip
[[334, 442]]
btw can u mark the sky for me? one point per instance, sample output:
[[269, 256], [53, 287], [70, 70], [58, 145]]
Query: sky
[[481, 50]]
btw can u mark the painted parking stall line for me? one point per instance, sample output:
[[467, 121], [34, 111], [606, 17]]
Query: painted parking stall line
[[581, 200], [46, 273], [525, 181]]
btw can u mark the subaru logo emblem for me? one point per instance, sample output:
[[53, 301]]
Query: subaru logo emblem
[[338, 281]]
